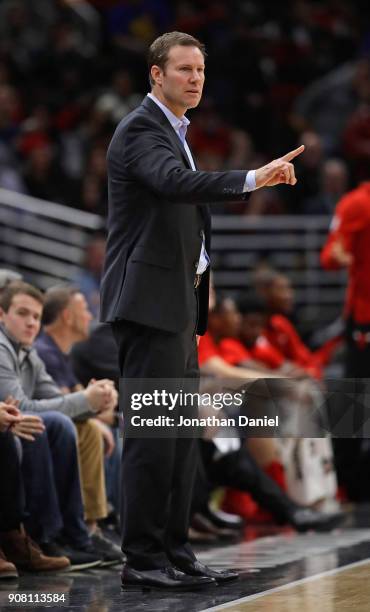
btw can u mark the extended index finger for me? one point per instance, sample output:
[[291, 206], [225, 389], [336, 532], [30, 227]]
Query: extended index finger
[[292, 154]]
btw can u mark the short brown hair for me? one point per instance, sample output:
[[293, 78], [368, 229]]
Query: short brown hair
[[56, 300], [160, 47], [19, 288]]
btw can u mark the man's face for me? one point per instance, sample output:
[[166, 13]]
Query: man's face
[[78, 317], [229, 318], [252, 327], [280, 295], [181, 82], [23, 318]]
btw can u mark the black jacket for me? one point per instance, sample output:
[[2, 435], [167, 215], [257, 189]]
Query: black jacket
[[157, 215]]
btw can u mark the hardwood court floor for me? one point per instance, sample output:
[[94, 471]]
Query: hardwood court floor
[[342, 590], [280, 571]]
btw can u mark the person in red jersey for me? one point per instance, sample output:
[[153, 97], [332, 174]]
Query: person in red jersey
[[215, 357], [254, 319], [348, 246], [277, 292]]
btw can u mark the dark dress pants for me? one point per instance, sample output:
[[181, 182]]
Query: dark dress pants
[[157, 473]]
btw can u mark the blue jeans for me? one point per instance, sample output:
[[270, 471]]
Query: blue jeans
[[52, 483], [113, 473]]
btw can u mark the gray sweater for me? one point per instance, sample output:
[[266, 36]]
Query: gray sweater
[[23, 376]]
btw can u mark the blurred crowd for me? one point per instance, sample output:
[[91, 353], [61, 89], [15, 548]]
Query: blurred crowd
[[277, 75]]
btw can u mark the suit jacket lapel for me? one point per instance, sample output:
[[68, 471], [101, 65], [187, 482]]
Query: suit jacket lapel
[[154, 109]]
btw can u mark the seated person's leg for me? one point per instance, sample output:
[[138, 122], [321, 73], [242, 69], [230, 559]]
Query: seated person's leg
[[91, 459], [11, 490], [43, 519], [62, 441], [113, 473], [18, 547], [240, 471]]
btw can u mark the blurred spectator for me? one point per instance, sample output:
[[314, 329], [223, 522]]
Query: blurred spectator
[[88, 279], [10, 176], [135, 23], [97, 357], [307, 172], [6, 277], [277, 292], [43, 176], [356, 137], [66, 320], [10, 114], [209, 132], [333, 184], [120, 99], [94, 196], [326, 104]]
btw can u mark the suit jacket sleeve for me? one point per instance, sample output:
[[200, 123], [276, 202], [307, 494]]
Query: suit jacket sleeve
[[148, 156]]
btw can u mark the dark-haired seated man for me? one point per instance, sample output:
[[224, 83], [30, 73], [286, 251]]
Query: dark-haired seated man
[[24, 378], [66, 320], [277, 293]]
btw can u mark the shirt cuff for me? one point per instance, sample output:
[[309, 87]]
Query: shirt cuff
[[250, 181]]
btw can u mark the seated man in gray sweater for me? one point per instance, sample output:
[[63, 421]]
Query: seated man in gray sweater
[[56, 507]]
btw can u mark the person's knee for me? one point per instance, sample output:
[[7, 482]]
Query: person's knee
[[58, 423], [90, 434]]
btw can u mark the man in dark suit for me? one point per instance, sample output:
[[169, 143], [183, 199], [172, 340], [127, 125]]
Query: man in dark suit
[[155, 295]]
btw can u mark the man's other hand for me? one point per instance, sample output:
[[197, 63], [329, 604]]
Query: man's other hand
[[28, 427], [101, 395], [9, 415]]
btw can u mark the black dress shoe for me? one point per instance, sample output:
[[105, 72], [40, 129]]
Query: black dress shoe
[[305, 519], [167, 578], [198, 569]]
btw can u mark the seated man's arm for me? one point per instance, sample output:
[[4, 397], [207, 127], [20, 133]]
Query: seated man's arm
[[45, 394]]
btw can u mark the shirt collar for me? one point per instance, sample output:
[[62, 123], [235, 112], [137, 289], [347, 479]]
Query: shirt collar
[[176, 122], [15, 344]]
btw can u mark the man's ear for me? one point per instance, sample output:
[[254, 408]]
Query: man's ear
[[156, 73], [66, 316]]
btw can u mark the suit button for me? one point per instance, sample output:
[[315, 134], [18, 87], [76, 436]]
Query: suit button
[[196, 265]]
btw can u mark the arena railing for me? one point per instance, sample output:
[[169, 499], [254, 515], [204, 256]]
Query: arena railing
[[288, 243], [45, 242]]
